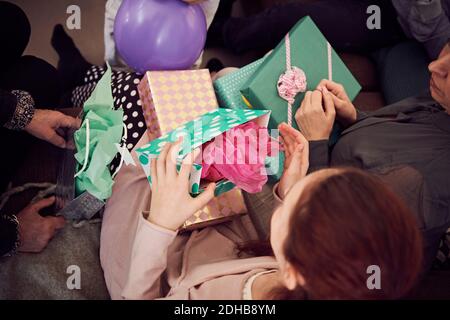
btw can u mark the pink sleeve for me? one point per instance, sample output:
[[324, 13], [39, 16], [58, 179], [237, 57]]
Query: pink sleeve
[[275, 194], [148, 261]]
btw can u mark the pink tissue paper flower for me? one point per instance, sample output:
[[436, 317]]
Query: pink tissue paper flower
[[239, 155]]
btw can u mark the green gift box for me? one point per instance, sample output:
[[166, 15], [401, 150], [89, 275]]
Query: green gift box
[[228, 87], [309, 51], [196, 133], [228, 92]]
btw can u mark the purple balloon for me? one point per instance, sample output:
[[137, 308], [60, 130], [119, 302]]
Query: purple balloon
[[159, 34]]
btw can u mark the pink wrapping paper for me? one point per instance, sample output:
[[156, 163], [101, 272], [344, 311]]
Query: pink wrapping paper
[[240, 161]]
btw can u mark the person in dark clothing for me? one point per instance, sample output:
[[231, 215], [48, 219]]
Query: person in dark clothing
[[29, 87], [407, 144], [343, 22], [411, 34]]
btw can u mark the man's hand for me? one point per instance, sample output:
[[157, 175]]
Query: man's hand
[[36, 231], [345, 110], [48, 125], [316, 115], [296, 150], [171, 203]]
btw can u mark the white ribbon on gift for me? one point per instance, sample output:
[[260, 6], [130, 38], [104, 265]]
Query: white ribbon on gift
[[294, 81]]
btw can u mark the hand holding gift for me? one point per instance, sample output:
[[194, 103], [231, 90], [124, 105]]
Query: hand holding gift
[[169, 185], [49, 125], [210, 127], [198, 132], [345, 110], [297, 65], [84, 184], [316, 115]]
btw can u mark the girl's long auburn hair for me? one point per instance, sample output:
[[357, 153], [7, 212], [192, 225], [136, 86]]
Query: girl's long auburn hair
[[340, 226]]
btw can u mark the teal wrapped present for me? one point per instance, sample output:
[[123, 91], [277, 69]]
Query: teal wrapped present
[[313, 55], [196, 133], [228, 92], [228, 87]]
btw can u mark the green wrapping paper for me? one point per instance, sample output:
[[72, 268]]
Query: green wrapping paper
[[228, 92], [197, 133], [228, 87], [309, 52], [105, 130]]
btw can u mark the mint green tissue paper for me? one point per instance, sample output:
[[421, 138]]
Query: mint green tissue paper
[[105, 130]]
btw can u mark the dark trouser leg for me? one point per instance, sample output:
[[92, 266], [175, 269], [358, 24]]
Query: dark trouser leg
[[343, 22]]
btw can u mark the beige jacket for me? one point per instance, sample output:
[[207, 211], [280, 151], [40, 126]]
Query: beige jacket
[[143, 261]]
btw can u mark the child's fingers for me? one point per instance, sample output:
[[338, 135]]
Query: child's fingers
[[295, 134], [186, 165], [153, 173], [289, 143], [303, 142], [185, 170], [283, 147], [171, 159], [205, 197], [161, 162], [283, 140]]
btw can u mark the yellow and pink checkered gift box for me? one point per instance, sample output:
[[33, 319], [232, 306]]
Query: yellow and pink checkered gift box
[[171, 98], [220, 209]]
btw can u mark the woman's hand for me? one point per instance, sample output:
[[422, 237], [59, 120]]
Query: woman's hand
[[316, 115], [47, 125], [171, 202], [296, 164], [345, 110]]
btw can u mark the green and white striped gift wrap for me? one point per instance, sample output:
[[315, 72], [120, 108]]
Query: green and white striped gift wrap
[[198, 132]]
